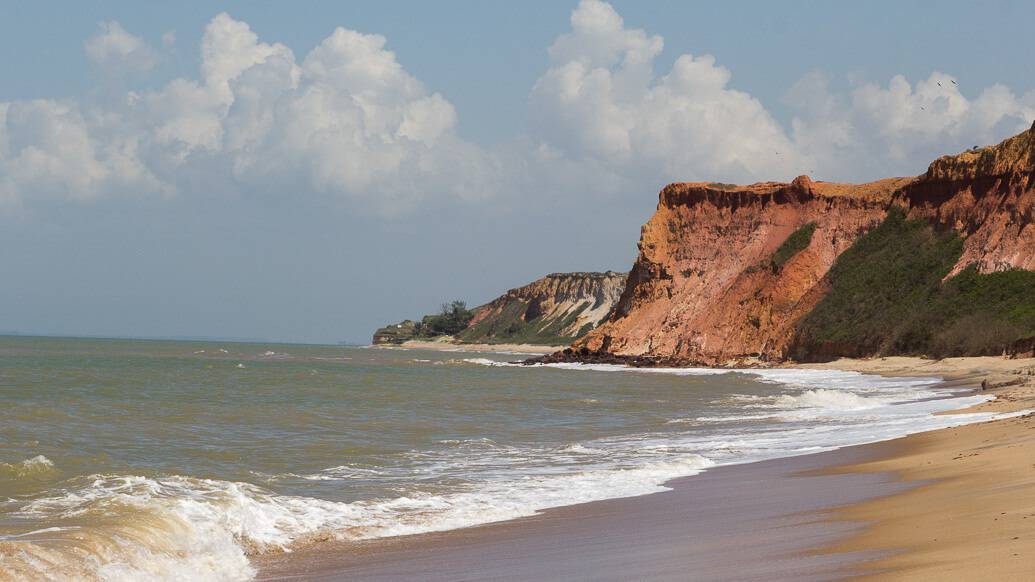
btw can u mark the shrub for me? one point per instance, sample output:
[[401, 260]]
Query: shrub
[[797, 242], [886, 296]]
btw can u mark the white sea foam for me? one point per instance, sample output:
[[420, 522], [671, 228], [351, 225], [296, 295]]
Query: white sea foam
[[487, 362], [580, 449], [726, 418], [830, 400], [203, 529]]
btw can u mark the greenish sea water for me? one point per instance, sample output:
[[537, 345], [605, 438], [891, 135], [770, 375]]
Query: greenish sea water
[[129, 460]]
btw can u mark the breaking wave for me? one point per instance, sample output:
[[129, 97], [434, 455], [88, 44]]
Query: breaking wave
[[33, 468], [172, 527], [178, 528]]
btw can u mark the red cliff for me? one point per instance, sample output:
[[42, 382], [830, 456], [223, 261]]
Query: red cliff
[[706, 289], [988, 195]]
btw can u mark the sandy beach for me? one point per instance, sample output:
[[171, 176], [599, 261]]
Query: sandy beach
[[952, 504], [970, 511]]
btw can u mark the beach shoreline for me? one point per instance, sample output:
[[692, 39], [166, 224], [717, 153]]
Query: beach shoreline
[[969, 509], [715, 524], [854, 535], [442, 346]]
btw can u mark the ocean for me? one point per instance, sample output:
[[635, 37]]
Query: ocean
[[163, 460]]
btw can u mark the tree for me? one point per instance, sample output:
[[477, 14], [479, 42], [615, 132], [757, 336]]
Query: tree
[[452, 319]]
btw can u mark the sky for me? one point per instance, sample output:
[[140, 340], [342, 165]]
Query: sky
[[307, 173]]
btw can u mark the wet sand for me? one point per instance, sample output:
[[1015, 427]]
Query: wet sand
[[970, 514], [746, 522]]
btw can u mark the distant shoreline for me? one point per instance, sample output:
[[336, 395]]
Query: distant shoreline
[[442, 346]]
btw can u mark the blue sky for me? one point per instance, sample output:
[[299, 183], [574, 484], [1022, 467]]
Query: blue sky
[[242, 169]]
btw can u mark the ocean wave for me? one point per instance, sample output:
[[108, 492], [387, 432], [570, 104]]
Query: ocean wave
[[488, 362], [175, 528], [126, 527], [483, 441], [728, 418], [826, 399], [580, 449], [790, 377], [33, 468]]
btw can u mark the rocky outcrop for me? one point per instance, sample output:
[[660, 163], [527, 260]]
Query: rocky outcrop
[[396, 333], [706, 287], [553, 310]]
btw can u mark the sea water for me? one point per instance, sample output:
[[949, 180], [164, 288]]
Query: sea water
[[129, 460]]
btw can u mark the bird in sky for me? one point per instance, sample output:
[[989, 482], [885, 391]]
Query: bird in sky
[[954, 82]]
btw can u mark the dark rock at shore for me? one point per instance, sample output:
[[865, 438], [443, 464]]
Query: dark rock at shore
[[584, 355]]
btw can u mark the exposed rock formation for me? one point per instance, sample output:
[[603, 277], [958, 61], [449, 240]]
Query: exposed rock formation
[[553, 310], [989, 196], [697, 292], [706, 290], [396, 333]]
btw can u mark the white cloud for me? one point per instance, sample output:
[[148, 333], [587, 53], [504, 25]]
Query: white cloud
[[600, 99], [348, 120], [48, 152], [875, 131], [116, 51]]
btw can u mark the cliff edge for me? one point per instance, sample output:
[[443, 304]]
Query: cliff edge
[[757, 273]]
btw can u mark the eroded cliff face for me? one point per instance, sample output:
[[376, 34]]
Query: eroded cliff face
[[705, 290], [555, 309], [702, 290], [988, 195]]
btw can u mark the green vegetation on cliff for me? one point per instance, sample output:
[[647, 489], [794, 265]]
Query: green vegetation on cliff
[[886, 296], [511, 327], [797, 242], [794, 244], [451, 319]]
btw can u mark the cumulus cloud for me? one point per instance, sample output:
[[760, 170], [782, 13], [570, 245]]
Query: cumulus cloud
[[116, 51], [601, 99], [47, 152], [348, 120], [601, 102], [876, 130]]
